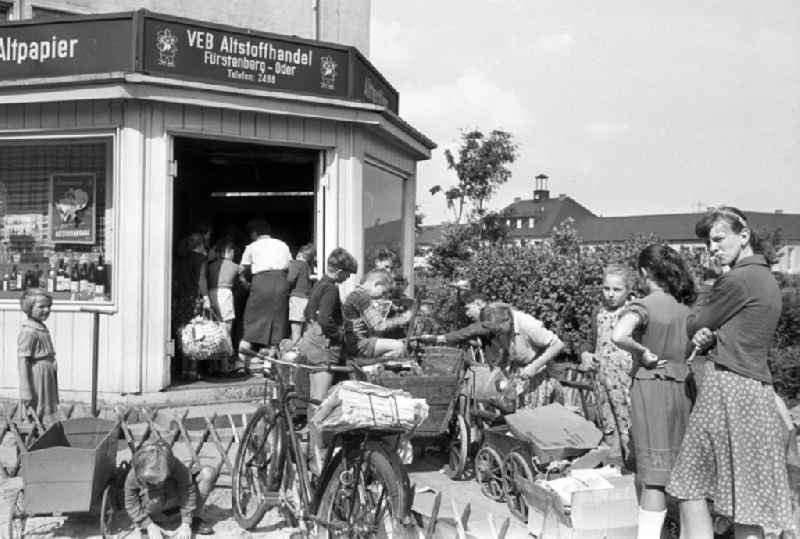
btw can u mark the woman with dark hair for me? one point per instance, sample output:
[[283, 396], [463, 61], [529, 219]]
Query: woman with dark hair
[[653, 330], [266, 316], [734, 452]]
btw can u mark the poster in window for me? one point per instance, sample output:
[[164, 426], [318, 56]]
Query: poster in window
[[72, 207]]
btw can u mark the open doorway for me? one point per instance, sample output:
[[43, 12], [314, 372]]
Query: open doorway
[[220, 187]]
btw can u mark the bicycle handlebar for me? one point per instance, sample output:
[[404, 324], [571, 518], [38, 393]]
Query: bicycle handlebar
[[313, 368]]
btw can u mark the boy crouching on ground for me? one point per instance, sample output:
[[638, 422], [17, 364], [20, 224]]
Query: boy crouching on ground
[[158, 486], [364, 319]]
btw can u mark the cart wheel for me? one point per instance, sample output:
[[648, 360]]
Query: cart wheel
[[107, 509], [17, 518], [489, 473], [516, 463], [459, 447]]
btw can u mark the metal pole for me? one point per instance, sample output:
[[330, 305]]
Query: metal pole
[[95, 353]]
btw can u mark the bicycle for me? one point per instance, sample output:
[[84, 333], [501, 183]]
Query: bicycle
[[362, 490]]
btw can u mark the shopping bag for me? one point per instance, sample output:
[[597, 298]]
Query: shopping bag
[[205, 338]]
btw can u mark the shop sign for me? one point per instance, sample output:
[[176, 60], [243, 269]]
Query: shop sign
[[72, 208], [70, 47], [370, 86], [202, 52]]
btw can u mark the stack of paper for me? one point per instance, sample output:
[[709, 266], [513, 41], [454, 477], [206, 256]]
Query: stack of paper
[[353, 405], [579, 480]]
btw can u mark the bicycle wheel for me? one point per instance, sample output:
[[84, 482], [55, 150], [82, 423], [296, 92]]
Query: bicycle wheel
[[459, 446], [259, 466], [107, 510], [372, 502]]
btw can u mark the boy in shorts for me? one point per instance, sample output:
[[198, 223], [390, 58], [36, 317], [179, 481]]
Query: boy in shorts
[[365, 319], [300, 279], [222, 274]]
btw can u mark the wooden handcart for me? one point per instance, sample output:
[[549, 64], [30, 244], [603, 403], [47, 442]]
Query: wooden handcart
[[71, 468], [438, 379]]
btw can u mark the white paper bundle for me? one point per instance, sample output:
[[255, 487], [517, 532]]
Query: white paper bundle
[[354, 405]]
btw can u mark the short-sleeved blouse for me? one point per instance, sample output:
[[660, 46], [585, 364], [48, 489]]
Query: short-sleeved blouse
[[662, 331], [34, 341]]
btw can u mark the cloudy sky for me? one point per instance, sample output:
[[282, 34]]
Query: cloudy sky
[[630, 107]]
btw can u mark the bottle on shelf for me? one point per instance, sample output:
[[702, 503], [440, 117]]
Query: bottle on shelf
[[52, 280], [20, 281], [90, 293], [83, 278], [40, 277], [100, 280], [74, 282], [61, 276], [12, 282], [6, 281]]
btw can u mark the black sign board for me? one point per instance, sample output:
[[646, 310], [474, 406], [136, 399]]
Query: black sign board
[[71, 47], [370, 86], [206, 53], [174, 47]]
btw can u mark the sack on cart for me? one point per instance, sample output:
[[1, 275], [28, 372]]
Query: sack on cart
[[352, 405], [203, 339]]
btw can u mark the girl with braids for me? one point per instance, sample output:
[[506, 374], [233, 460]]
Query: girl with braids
[[653, 330], [734, 452]]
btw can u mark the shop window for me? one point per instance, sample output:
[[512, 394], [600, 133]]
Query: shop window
[[54, 197], [531, 222], [383, 214]]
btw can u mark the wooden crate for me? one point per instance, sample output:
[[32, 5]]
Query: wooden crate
[[67, 468]]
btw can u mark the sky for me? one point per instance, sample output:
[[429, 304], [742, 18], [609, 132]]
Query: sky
[[629, 107]]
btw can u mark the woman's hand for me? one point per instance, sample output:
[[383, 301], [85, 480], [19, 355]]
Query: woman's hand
[[704, 339], [650, 360], [206, 303], [587, 361]]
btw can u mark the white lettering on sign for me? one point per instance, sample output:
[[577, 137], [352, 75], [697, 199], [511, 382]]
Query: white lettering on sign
[[13, 50], [201, 40], [251, 60]]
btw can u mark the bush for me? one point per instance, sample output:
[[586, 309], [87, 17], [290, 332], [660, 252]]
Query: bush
[[557, 281], [785, 366]]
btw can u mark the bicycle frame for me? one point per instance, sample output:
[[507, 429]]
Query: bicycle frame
[[310, 497]]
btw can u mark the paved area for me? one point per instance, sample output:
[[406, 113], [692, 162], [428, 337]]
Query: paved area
[[424, 473]]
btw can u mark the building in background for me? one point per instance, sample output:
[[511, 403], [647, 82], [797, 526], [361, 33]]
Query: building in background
[[533, 220]]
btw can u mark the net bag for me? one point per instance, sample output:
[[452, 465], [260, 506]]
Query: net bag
[[203, 339]]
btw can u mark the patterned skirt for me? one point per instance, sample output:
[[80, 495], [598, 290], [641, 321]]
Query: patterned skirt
[[734, 452], [659, 414]]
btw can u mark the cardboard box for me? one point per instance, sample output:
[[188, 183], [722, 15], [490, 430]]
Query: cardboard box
[[593, 514]]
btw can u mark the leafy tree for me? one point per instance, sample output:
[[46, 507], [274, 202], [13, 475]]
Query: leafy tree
[[481, 165]]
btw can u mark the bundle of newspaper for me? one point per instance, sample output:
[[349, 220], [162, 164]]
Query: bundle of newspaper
[[356, 405]]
